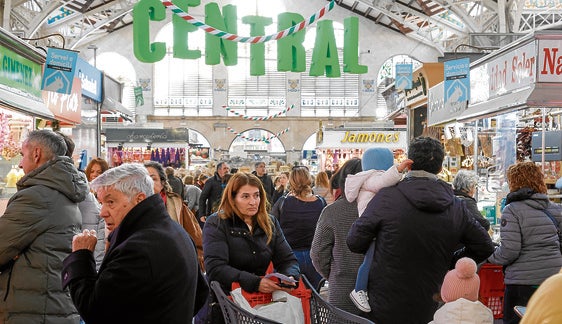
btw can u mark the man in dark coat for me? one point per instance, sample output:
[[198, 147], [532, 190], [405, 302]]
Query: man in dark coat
[[150, 272], [175, 182], [417, 225], [261, 173], [212, 191]]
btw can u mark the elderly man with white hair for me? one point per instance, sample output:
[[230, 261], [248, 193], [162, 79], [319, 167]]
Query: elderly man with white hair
[[150, 271]]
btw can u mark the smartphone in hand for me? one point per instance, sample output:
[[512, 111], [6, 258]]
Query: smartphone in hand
[[520, 310]]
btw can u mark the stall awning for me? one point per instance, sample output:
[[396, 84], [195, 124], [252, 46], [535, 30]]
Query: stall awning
[[25, 104], [110, 105], [546, 95], [513, 100]]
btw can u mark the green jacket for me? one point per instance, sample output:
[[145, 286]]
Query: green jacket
[[40, 220]]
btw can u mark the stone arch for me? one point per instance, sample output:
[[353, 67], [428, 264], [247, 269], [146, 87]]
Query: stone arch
[[244, 147], [388, 99]]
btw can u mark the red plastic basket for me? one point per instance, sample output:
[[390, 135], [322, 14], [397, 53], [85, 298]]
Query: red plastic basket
[[259, 298], [492, 288], [495, 304]]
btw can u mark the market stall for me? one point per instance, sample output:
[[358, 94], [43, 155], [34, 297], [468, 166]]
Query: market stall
[[424, 78], [21, 105], [167, 146], [513, 114], [340, 145]]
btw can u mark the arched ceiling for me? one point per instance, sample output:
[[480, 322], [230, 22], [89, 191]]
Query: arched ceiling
[[447, 25]]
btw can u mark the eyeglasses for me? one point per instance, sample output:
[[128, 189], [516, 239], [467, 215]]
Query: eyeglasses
[[300, 166]]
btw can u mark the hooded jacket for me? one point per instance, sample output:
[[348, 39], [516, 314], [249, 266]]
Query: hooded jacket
[[529, 248], [364, 185], [417, 225], [40, 220]]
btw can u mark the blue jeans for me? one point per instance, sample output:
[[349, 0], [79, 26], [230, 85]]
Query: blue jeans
[[305, 264], [363, 272]]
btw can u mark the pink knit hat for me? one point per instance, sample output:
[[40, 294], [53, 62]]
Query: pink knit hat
[[461, 282]]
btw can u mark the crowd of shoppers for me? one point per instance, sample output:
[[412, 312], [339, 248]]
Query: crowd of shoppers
[[95, 234]]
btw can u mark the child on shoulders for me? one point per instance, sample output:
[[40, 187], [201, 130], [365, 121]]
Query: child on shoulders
[[378, 172]]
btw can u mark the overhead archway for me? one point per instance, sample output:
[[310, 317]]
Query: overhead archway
[[256, 145], [385, 80], [200, 152]]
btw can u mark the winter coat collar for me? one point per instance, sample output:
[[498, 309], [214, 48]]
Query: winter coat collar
[[531, 198], [463, 194], [262, 177], [150, 210], [58, 174], [521, 194], [421, 174]]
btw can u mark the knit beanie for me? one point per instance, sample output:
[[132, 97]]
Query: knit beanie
[[377, 158], [461, 282]]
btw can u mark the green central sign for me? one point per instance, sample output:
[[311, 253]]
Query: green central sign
[[291, 54]]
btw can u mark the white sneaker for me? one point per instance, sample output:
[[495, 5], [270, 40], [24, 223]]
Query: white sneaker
[[361, 300]]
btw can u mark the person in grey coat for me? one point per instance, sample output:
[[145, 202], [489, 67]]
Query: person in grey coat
[[36, 233], [191, 194], [530, 246], [90, 207], [329, 252]]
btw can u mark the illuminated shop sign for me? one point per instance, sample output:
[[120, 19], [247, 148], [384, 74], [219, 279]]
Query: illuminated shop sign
[[364, 138], [371, 137]]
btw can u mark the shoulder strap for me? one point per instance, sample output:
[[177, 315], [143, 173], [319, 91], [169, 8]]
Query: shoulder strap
[[282, 203], [554, 221], [322, 199]]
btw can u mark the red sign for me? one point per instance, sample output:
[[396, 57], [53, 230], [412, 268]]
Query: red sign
[[66, 107], [550, 60]]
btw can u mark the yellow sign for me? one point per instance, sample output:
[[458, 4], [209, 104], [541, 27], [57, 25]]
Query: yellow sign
[[371, 137]]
